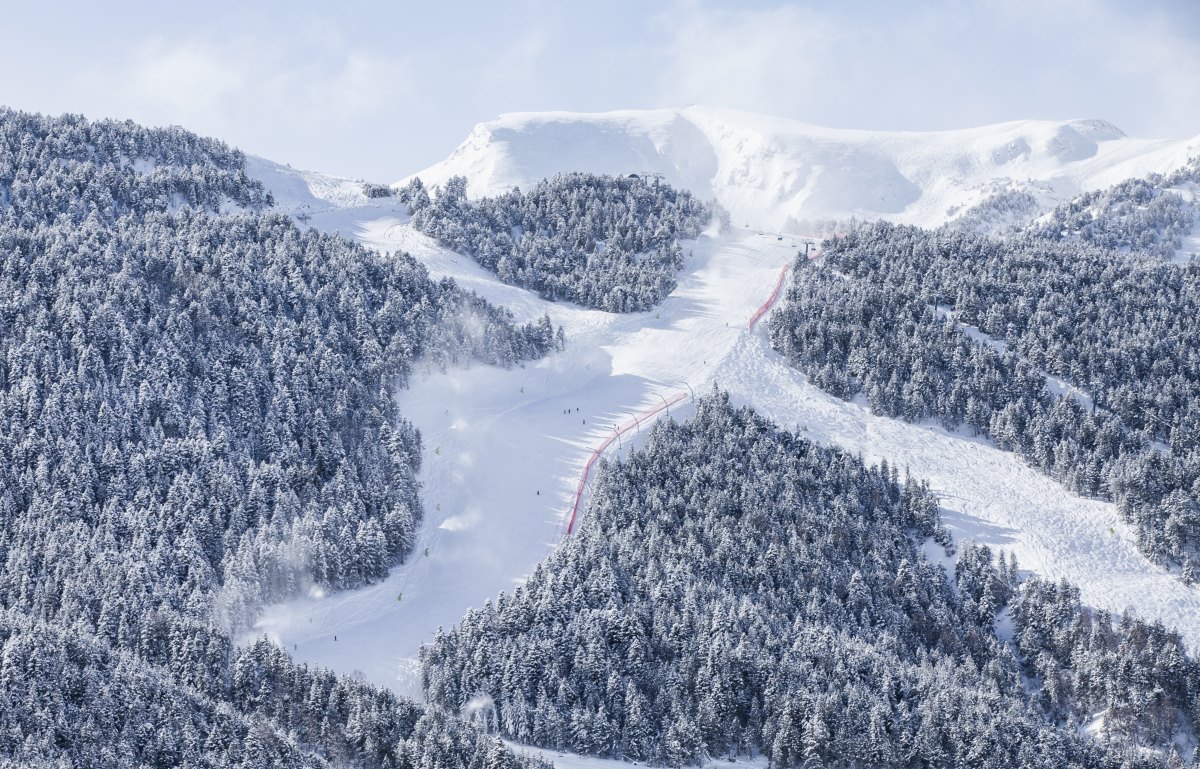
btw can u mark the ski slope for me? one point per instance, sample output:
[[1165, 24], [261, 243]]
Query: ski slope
[[566, 760], [1191, 241], [504, 451], [781, 174], [509, 454]]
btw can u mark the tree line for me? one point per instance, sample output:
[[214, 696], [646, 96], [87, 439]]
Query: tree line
[[197, 417], [610, 243], [737, 590], [964, 328]]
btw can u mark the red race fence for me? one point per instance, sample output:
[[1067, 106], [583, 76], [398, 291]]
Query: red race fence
[[617, 432], [667, 403], [761, 311]]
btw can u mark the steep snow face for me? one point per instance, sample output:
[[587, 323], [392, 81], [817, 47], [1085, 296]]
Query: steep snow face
[[781, 174], [304, 193]]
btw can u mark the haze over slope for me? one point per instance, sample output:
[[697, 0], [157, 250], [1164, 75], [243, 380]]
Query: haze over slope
[[779, 174]]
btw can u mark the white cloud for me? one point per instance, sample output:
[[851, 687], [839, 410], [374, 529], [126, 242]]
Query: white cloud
[[750, 59], [381, 94], [942, 64], [1161, 68], [188, 80], [276, 97]]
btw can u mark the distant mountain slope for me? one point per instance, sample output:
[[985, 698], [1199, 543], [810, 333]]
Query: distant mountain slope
[[1087, 299], [782, 174]]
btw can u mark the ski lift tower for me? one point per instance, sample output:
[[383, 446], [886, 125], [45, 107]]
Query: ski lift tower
[[655, 175]]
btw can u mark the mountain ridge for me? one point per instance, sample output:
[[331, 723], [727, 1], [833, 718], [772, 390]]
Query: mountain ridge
[[783, 174]]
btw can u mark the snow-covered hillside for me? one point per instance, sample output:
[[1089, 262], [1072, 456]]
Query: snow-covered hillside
[[779, 174], [504, 449]]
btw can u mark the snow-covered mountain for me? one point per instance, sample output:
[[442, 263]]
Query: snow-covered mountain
[[258, 464], [775, 173], [505, 448]]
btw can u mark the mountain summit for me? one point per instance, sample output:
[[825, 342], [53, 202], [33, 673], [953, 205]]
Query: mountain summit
[[782, 174]]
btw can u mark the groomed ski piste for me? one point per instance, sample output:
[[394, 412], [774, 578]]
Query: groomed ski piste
[[564, 760], [505, 451]]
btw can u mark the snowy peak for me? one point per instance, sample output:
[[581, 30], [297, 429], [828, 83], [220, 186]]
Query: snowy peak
[[783, 174], [521, 148]]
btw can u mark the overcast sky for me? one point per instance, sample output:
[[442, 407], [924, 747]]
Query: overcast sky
[[380, 90]]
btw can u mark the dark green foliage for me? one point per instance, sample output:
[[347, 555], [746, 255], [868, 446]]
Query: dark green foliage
[[603, 242], [377, 190], [736, 589], [67, 697], [998, 212], [1138, 675], [211, 400], [67, 167], [1137, 214], [1124, 327]]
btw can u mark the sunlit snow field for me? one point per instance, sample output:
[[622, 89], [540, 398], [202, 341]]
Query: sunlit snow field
[[503, 449]]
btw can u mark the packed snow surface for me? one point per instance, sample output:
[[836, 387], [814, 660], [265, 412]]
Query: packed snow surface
[[781, 174], [567, 760]]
